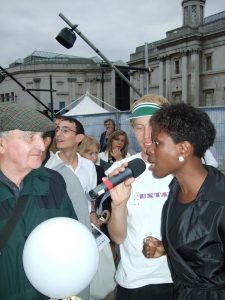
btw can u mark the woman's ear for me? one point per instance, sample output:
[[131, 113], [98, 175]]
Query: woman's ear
[[185, 148]]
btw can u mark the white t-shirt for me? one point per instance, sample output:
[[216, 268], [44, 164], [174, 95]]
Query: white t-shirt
[[144, 206]]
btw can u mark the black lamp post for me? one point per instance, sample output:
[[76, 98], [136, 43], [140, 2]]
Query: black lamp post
[[4, 73], [2, 76]]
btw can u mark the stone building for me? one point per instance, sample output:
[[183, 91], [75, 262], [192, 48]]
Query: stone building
[[189, 64], [69, 77]]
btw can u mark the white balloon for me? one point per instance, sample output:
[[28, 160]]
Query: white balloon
[[60, 257]]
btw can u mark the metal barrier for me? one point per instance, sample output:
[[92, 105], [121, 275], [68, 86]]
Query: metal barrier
[[94, 125], [217, 115]]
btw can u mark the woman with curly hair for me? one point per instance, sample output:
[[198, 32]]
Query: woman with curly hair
[[193, 217]]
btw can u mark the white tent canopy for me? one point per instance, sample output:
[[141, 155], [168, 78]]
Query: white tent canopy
[[86, 105]]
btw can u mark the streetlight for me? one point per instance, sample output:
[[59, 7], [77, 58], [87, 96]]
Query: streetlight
[[67, 37]]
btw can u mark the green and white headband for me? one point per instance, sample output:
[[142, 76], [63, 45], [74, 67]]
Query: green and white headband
[[144, 110]]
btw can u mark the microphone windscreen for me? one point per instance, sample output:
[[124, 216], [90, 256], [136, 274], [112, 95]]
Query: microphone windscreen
[[137, 166]]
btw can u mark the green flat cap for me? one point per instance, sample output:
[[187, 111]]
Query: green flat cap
[[14, 116]]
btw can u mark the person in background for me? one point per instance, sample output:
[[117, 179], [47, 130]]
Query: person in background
[[69, 133], [117, 149], [89, 148], [22, 178], [110, 128], [74, 190], [48, 138], [136, 215], [73, 185], [193, 219]]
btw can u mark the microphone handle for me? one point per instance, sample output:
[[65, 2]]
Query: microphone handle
[[110, 183], [98, 191], [117, 179]]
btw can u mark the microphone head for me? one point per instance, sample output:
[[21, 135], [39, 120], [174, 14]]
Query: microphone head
[[137, 166]]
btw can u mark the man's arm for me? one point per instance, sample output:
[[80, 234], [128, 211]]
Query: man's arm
[[117, 225]]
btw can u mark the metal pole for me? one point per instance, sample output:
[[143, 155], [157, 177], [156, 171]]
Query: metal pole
[[146, 66], [102, 86], [23, 88], [51, 96], [74, 28]]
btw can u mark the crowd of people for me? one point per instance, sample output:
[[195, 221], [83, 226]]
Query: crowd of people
[[166, 227]]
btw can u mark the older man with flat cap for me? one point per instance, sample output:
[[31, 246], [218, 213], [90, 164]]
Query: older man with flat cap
[[29, 194]]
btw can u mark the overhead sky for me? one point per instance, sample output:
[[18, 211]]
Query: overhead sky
[[115, 27]]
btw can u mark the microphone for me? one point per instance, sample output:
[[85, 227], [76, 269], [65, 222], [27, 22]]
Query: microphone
[[135, 168]]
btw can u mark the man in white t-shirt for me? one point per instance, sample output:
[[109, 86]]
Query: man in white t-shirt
[[134, 219]]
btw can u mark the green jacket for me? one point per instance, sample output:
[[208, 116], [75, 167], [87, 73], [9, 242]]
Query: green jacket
[[47, 198]]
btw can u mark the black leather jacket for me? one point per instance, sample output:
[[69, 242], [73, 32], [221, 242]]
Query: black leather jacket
[[195, 242]]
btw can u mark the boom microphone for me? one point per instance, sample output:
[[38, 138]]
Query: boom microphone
[[135, 168]]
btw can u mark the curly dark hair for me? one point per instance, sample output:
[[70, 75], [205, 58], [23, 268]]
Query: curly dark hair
[[185, 123], [79, 127]]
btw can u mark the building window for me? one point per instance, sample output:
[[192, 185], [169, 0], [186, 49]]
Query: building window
[[177, 97], [12, 97], [94, 87], [7, 97], [208, 62], [194, 9], [60, 87], [194, 13], [62, 104], [80, 88], [2, 97], [185, 15], [208, 96], [177, 66]]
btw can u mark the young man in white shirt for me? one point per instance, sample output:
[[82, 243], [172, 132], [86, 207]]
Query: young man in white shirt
[[69, 133], [133, 220]]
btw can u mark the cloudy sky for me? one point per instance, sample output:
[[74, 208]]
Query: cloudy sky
[[115, 27]]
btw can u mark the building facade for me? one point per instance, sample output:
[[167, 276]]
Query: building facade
[[189, 64], [60, 79]]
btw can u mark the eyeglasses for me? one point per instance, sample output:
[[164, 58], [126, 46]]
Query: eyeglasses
[[64, 130]]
